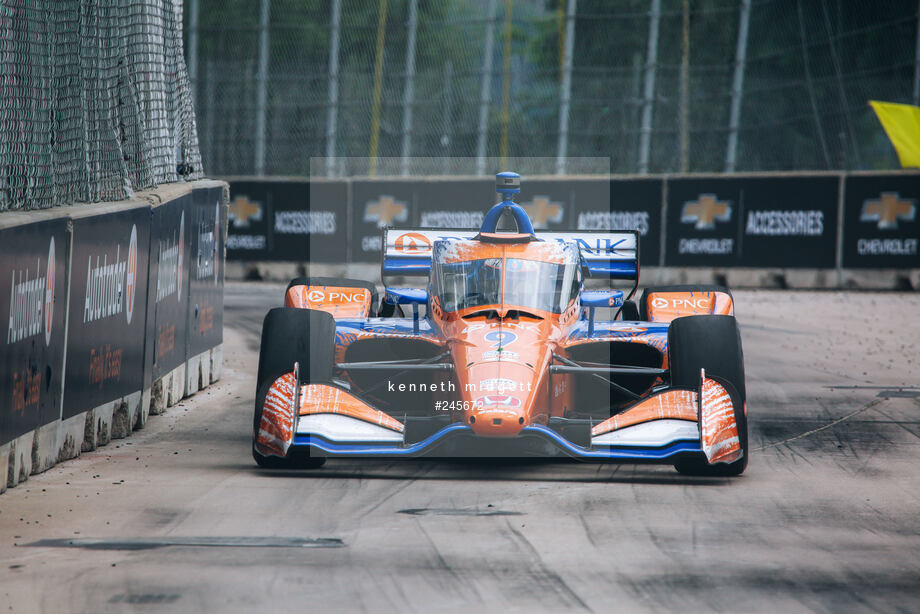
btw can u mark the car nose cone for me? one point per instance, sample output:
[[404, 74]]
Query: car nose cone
[[495, 421]]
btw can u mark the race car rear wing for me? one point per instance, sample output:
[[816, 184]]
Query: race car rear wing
[[611, 254], [407, 251]]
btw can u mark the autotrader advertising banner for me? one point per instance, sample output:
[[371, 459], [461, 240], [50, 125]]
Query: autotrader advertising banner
[[32, 304], [376, 204], [623, 204], [783, 222], [108, 298], [167, 287], [206, 270], [881, 225]]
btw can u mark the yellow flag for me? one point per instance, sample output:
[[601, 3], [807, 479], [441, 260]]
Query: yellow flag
[[902, 125]]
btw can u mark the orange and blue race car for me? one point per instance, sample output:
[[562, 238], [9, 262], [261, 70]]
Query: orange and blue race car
[[501, 354]]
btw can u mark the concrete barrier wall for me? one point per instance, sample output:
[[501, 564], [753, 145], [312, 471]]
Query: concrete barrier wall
[[114, 312], [829, 229]]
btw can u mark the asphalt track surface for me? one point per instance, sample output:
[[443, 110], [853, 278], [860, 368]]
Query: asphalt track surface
[[826, 519]]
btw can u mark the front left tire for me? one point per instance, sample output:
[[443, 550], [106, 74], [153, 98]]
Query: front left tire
[[289, 335]]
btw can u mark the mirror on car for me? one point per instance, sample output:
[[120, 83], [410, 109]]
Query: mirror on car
[[406, 296], [602, 298]]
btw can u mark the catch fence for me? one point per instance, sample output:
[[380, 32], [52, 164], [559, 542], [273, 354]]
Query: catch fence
[[94, 101]]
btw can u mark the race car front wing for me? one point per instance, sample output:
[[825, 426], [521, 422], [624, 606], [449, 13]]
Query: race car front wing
[[332, 422]]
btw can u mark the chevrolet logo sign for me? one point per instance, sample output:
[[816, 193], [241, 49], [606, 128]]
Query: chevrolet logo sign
[[542, 210], [705, 212], [385, 211], [887, 210], [242, 210]]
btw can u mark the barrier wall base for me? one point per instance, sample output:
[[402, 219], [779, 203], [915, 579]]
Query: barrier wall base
[[41, 449], [71, 437], [217, 361], [45, 447], [175, 389], [20, 459], [4, 466], [198, 371], [167, 390], [98, 423]]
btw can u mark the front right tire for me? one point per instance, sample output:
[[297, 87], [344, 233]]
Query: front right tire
[[712, 343]]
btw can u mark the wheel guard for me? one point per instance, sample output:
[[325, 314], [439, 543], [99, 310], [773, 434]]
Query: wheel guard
[[276, 425], [718, 426], [321, 407]]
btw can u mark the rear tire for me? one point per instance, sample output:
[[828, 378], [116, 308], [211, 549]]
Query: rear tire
[[712, 343], [289, 335]]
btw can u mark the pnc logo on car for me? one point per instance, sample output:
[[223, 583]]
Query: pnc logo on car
[[333, 296], [347, 297], [702, 303]]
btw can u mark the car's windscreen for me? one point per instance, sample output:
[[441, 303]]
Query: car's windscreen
[[471, 284], [539, 285], [544, 286]]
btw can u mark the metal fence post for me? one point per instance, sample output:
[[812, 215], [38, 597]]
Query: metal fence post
[[506, 83], [651, 63], [685, 88], [262, 85], [565, 90], [409, 91], [378, 87], [447, 97], [840, 88], [803, 39], [193, 48], [485, 91], [332, 114], [210, 87], [731, 152]]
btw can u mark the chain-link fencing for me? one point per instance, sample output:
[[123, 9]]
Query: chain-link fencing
[[653, 85], [94, 101]]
